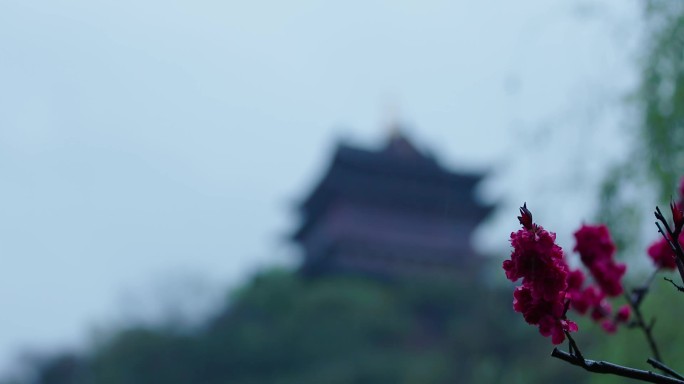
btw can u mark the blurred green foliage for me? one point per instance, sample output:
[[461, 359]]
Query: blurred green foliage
[[281, 328], [661, 97], [656, 161]]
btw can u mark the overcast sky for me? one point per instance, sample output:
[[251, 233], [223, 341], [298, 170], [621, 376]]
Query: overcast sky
[[145, 145]]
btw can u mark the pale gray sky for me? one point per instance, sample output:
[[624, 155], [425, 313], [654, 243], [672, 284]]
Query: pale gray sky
[[142, 141]]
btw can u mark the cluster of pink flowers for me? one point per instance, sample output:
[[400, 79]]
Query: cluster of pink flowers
[[591, 299], [538, 261], [597, 252], [549, 288]]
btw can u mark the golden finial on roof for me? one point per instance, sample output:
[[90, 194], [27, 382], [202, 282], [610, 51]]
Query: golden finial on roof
[[392, 121], [394, 131]]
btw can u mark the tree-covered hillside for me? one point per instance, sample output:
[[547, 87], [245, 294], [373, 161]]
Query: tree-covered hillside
[[281, 328]]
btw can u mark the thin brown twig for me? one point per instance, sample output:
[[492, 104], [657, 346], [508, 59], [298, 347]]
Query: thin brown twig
[[672, 239], [635, 303], [658, 365], [606, 367], [679, 287]]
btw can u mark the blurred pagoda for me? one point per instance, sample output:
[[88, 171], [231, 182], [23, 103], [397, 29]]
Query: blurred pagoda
[[390, 212]]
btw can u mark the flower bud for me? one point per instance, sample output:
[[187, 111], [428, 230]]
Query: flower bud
[[677, 217], [623, 314], [525, 217]]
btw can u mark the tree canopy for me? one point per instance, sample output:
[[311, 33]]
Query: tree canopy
[[281, 328]]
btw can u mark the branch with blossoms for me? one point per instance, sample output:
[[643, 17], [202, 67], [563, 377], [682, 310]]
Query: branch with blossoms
[[550, 289]]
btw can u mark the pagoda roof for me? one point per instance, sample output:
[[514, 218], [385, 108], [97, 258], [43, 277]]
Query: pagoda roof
[[398, 175]]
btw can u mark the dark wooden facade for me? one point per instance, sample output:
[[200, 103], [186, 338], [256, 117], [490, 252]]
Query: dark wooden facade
[[392, 211]]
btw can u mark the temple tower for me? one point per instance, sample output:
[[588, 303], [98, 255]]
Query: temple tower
[[388, 212]]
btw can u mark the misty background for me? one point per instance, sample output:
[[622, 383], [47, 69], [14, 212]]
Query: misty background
[[152, 153]]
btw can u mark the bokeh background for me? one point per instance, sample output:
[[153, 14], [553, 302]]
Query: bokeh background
[[152, 156]]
